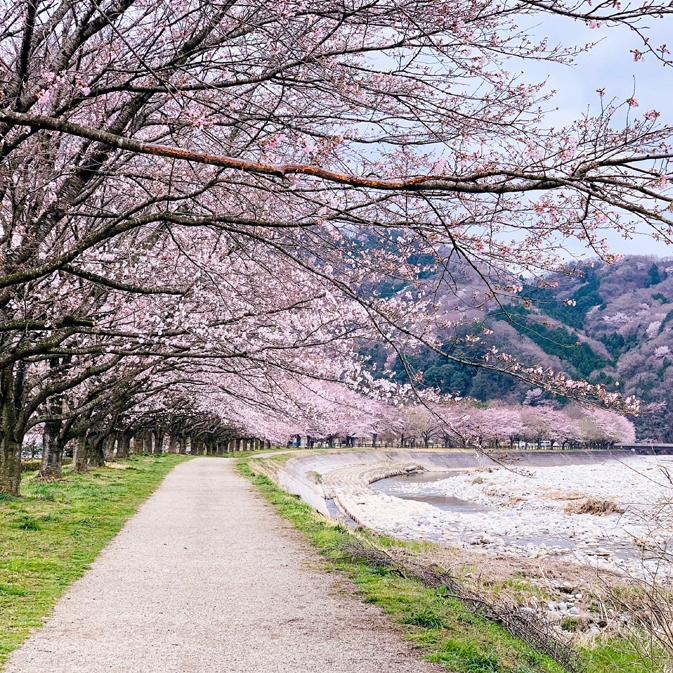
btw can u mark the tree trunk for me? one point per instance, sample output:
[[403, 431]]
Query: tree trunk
[[79, 458], [183, 445], [123, 446], [147, 441], [52, 451], [52, 447], [159, 435], [10, 466], [108, 447], [174, 444], [10, 444], [138, 443], [96, 456]]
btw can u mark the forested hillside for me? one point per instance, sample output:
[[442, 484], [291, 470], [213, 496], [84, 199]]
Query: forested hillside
[[610, 324]]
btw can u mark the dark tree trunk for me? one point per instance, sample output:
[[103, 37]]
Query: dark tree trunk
[[10, 443], [159, 435], [123, 446], [10, 466], [147, 441], [52, 446], [174, 444], [80, 457], [183, 445], [96, 455], [52, 451]]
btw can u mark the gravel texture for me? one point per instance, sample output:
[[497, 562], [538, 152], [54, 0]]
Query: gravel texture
[[527, 514], [206, 577]]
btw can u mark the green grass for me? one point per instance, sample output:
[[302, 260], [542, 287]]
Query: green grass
[[446, 630], [50, 535]]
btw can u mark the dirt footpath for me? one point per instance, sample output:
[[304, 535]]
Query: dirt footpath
[[206, 577]]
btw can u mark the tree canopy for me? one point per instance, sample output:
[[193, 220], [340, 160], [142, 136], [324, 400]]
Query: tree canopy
[[218, 196]]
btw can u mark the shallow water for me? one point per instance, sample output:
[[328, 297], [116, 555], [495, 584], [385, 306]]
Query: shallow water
[[395, 486]]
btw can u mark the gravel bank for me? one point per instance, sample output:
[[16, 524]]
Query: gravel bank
[[534, 513], [206, 577]]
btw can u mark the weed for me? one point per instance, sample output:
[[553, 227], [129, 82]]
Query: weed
[[427, 619], [569, 624], [26, 523], [44, 491], [463, 656], [480, 664], [8, 590], [595, 506]]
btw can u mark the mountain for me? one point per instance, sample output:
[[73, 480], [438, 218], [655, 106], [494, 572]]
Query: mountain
[[610, 324]]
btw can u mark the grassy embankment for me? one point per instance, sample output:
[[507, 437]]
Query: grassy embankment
[[50, 535], [448, 632]]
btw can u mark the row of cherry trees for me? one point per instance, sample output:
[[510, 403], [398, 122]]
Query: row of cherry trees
[[205, 205], [333, 414], [504, 426]]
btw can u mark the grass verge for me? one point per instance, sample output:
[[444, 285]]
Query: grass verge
[[50, 535], [447, 631]]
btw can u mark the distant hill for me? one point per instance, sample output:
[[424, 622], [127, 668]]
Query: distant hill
[[615, 327]]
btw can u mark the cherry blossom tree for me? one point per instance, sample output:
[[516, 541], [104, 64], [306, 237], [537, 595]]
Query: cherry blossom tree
[[78, 343], [236, 188]]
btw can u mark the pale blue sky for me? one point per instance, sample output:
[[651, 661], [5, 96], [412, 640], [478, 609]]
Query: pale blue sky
[[610, 66]]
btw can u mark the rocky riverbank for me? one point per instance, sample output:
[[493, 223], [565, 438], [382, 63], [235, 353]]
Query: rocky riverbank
[[593, 514]]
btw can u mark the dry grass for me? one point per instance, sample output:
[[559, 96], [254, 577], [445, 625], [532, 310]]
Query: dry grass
[[117, 466], [266, 468], [595, 506]]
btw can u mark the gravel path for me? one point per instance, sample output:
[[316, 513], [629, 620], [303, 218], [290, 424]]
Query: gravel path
[[206, 577]]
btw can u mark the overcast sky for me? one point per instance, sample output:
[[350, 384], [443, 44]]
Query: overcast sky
[[610, 66]]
